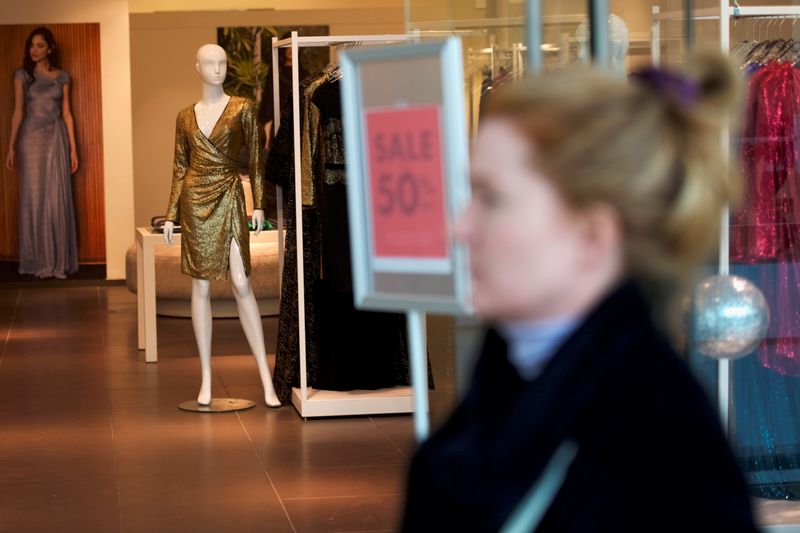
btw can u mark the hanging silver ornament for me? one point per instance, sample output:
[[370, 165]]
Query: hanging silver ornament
[[731, 317]]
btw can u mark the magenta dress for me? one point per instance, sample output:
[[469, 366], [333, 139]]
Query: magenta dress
[[48, 244], [765, 248]]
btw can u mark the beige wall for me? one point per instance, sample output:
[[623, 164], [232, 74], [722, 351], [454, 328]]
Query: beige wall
[[163, 47], [116, 94], [151, 6]]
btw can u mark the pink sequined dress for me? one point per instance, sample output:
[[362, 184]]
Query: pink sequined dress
[[766, 229]]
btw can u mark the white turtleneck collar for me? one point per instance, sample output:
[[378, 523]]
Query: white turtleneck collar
[[532, 344]]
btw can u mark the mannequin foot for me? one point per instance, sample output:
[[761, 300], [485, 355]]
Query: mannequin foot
[[271, 399], [204, 398]]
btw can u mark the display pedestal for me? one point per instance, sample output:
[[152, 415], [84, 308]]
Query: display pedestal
[[320, 403], [217, 405]]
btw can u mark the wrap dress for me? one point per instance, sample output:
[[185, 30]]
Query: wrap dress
[[207, 197]]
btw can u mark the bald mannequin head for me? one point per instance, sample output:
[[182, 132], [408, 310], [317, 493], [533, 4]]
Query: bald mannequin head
[[212, 64]]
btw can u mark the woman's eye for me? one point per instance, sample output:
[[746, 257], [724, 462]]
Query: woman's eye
[[488, 198]]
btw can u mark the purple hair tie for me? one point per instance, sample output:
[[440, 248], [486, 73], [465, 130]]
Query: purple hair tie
[[677, 87]]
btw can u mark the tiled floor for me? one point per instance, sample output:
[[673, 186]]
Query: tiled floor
[[91, 438]]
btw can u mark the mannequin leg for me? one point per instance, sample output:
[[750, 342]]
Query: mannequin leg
[[201, 323], [250, 318]]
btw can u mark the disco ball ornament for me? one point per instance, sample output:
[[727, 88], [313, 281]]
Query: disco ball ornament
[[731, 317]]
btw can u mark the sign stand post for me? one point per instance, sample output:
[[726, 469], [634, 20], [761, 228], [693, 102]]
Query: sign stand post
[[418, 368]]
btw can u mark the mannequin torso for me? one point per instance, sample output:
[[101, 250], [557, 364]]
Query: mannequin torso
[[207, 113]]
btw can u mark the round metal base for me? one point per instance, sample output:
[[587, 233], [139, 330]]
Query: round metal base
[[217, 405]]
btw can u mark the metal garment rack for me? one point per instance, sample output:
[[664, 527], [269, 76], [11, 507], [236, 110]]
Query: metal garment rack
[[311, 402], [516, 53], [733, 12], [724, 14]]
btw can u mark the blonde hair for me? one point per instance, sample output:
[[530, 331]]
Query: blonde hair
[[654, 157]]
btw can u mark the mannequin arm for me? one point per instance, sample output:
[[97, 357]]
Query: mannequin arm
[[252, 137], [180, 166], [258, 220], [169, 226]]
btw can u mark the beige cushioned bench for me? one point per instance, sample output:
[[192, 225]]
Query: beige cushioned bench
[[174, 288]]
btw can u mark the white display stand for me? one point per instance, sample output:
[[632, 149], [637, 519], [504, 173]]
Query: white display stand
[[311, 402], [147, 240]]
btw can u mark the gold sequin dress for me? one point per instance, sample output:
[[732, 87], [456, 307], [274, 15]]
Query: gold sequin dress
[[207, 196]]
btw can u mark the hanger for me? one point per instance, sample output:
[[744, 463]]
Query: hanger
[[349, 44], [781, 53], [793, 53], [751, 58]]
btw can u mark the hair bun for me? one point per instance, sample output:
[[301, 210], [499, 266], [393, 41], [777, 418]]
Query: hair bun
[[717, 81], [706, 83], [676, 86]]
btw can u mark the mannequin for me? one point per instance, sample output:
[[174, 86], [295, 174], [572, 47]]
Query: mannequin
[[618, 38], [213, 171]]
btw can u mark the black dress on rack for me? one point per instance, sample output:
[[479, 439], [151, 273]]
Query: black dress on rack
[[361, 349], [489, 88], [346, 349]]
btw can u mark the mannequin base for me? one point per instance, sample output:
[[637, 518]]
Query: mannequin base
[[217, 405]]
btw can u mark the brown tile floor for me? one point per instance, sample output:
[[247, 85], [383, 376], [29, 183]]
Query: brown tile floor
[[91, 438]]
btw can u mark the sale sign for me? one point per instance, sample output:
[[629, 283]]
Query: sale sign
[[406, 184]]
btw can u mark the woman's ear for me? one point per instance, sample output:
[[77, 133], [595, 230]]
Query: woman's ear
[[601, 236]]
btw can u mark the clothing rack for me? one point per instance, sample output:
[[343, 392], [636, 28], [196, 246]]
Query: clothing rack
[[735, 12], [499, 23], [515, 54], [724, 13], [314, 402]]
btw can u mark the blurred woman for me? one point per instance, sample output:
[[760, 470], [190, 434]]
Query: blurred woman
[[42, 146], [594, 200]]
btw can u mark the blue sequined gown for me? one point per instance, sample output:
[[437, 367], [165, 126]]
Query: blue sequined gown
[[47, 237]]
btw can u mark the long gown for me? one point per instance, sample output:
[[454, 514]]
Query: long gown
[[48, 244], [207, 195]]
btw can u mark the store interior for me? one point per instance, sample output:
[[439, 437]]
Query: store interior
[[90, 434]]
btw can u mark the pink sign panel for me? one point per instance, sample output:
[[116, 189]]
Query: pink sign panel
[[406, 180]]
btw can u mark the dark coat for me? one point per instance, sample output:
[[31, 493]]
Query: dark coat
[[652, 455]]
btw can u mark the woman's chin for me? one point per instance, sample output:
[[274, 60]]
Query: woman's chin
[[490, 307]]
